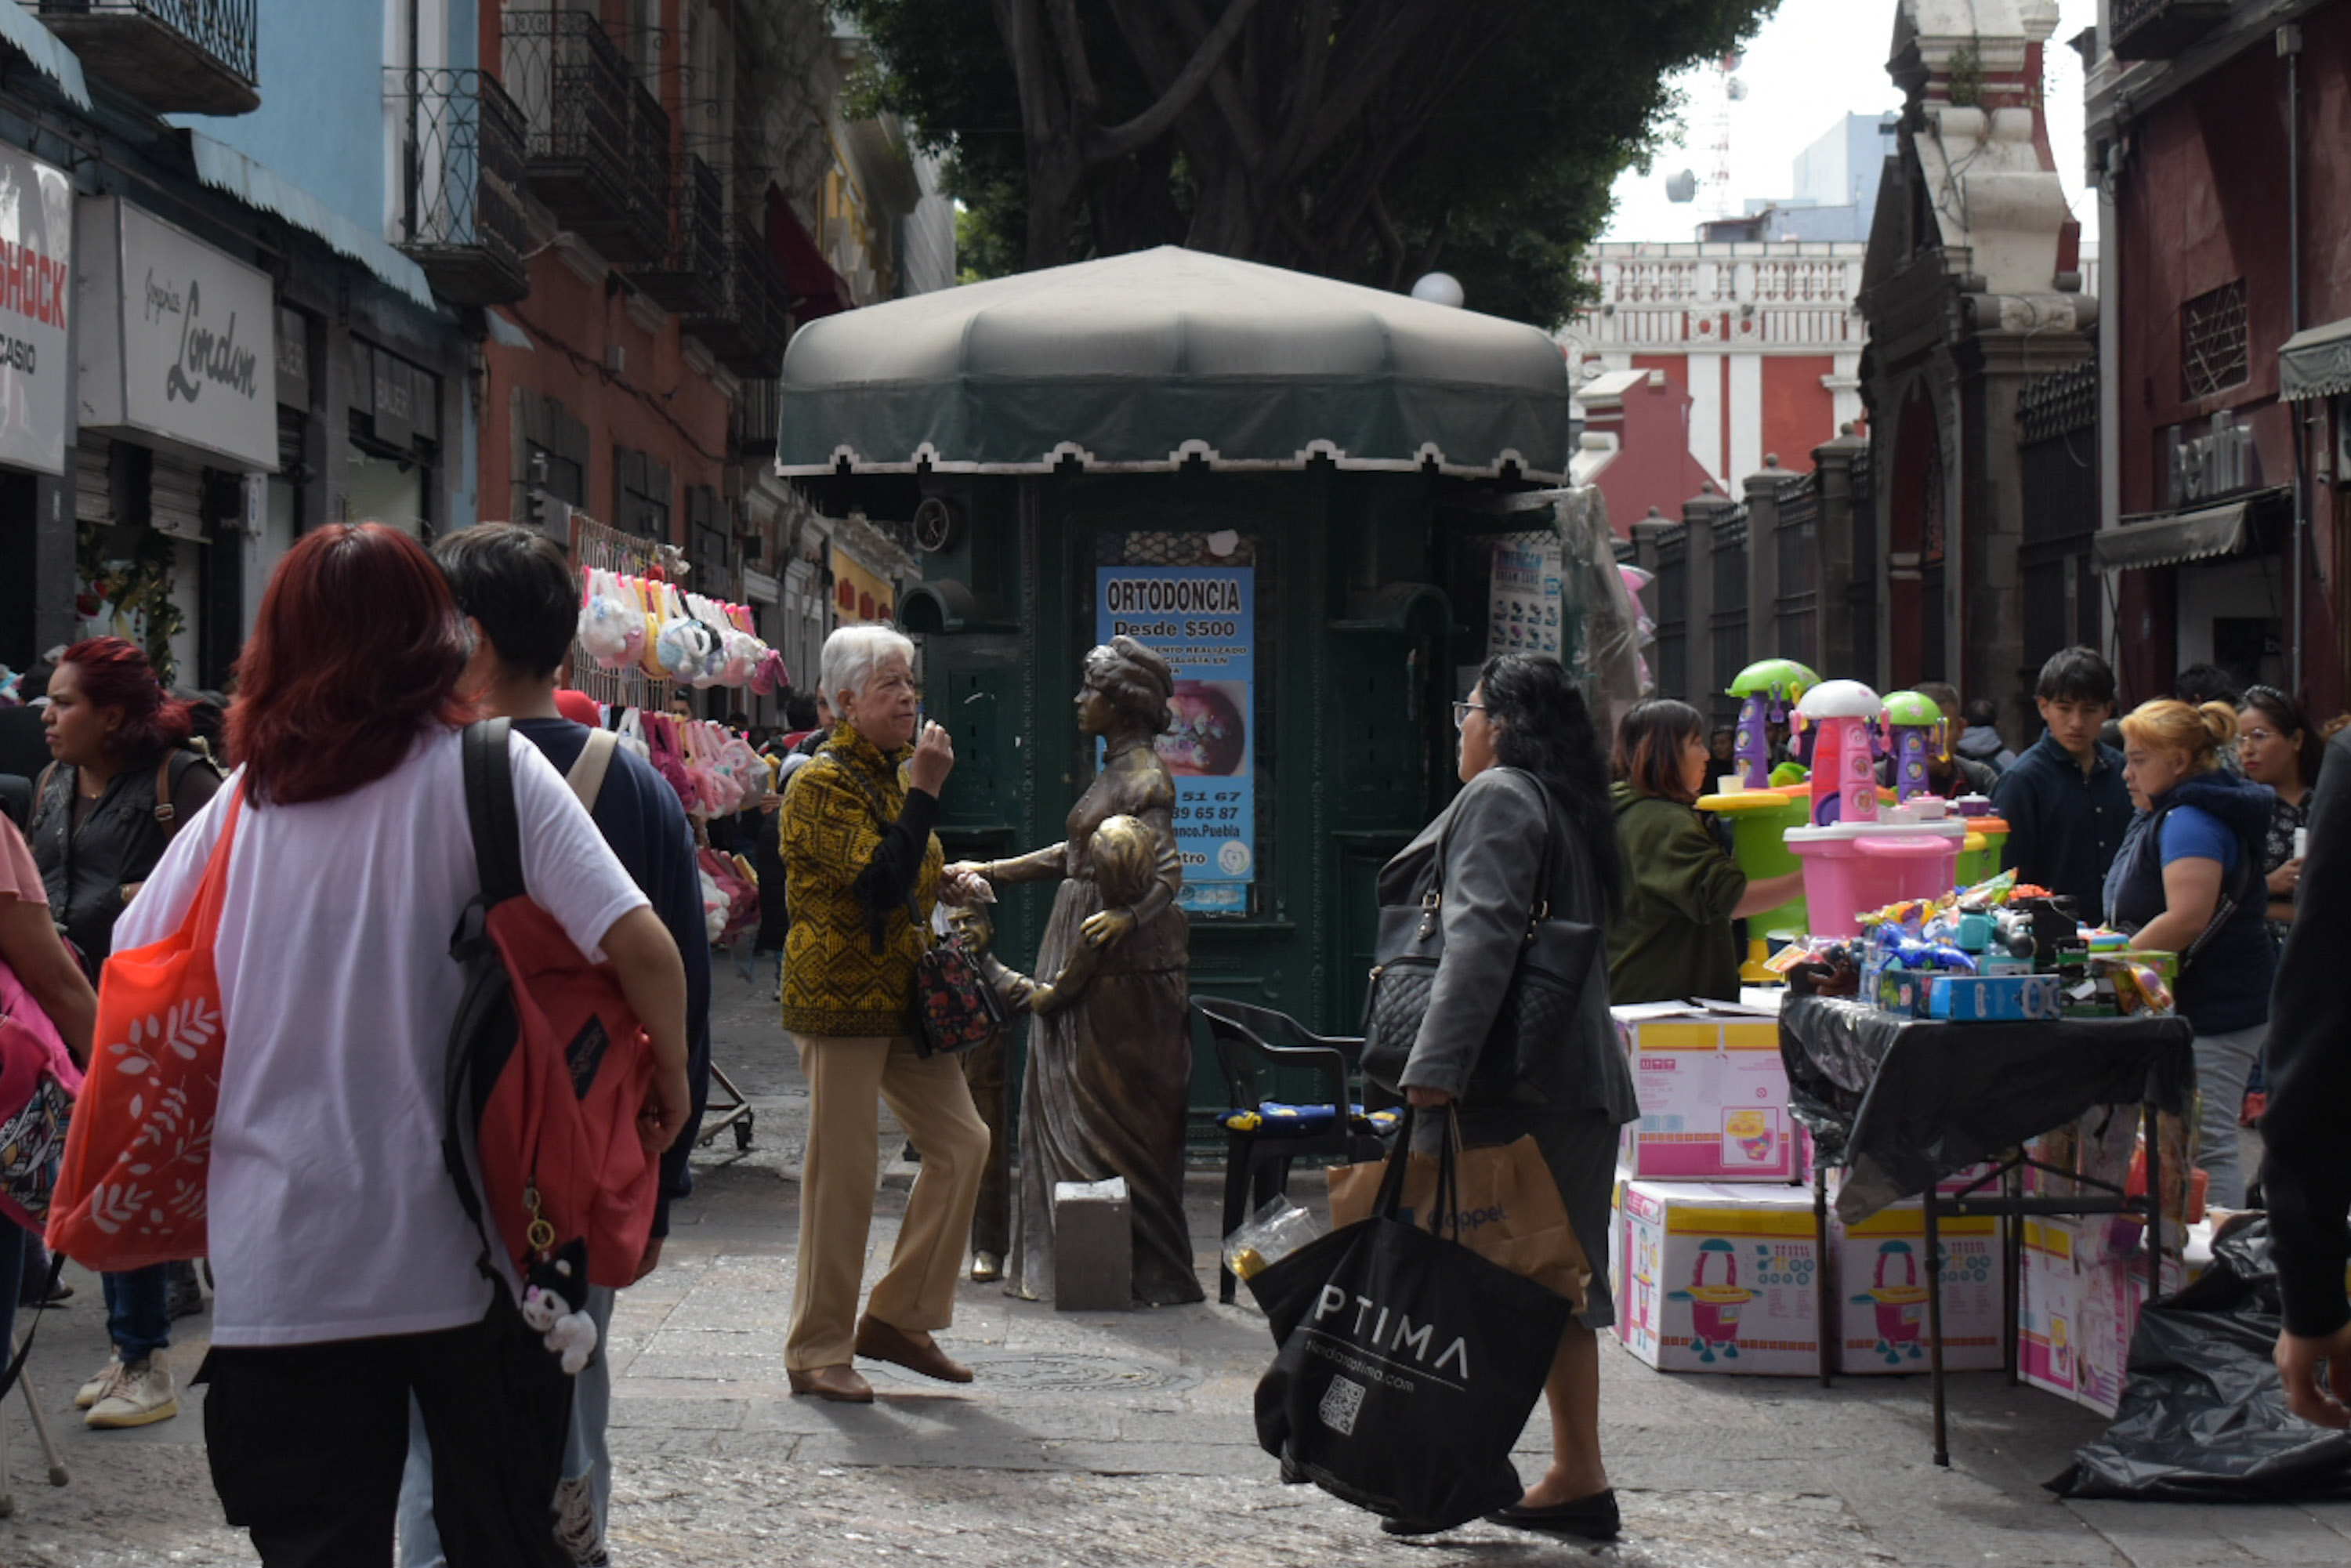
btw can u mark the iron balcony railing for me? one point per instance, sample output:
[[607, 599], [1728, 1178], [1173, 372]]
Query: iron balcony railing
[[691, 278], [2160, 30], [759, 409], [591, 152], [461, 183], [749, 328], [175, 56]]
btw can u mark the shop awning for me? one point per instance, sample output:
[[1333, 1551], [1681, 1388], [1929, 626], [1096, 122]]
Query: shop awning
[[224, 168], [2167, 538], [24, 32], [2316, 362], [1148, 361], [816, 289]]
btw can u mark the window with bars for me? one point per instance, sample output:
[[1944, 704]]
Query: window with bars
[[2215, 349]]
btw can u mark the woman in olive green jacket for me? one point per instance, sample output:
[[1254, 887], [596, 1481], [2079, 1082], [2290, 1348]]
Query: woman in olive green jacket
[[1682, 890]]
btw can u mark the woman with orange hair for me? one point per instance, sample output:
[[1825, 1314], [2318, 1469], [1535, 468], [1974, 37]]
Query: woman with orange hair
[[2188, 880]]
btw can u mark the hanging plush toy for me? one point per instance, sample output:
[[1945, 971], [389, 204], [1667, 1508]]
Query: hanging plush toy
[[555, 1304]]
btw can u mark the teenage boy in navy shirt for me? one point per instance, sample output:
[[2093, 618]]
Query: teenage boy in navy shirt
[[521, 597], [2064, 800]]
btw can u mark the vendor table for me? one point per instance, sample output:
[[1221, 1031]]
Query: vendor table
[[1903, 1103]]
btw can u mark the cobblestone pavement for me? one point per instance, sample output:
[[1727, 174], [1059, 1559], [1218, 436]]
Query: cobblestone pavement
[[1124, 1438]]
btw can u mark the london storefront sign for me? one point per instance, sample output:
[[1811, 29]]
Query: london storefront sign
[[177, 340], [37, 234]]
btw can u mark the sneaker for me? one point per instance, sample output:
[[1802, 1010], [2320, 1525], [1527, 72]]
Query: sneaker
[[92, 1391], [139, 1394], [187, 1296]]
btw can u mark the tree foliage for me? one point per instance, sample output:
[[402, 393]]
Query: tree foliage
[[1368, 140]]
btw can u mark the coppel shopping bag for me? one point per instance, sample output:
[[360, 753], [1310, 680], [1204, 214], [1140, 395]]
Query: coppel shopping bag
[[1407, 1363]]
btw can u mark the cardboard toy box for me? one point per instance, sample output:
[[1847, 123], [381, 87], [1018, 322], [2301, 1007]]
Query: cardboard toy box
[[1716, 1277], [2077, 1306], [1881, 1292], [1713, 1092], [1994, 998]]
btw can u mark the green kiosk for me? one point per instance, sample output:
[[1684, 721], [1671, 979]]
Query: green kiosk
[[1323, 503]]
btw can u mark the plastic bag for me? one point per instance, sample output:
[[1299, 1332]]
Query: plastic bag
[[2203, 1417], [1269, 1235]]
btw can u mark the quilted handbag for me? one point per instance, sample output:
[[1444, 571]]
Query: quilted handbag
[[133, 1186], [1545, 991], [38, 1081], [955, 1010]]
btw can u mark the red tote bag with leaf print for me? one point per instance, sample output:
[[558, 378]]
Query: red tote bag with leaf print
[[133, 1185]]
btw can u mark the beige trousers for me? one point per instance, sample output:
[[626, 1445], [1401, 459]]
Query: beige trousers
[[838, 1174]]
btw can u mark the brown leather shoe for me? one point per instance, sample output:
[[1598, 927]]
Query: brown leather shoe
[[842, 1385], [877, 1341]]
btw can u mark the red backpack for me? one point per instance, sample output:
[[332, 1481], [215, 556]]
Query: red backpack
[[549, 1068]]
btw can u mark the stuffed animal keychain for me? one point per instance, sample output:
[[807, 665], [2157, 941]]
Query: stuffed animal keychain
[[555, 1304]]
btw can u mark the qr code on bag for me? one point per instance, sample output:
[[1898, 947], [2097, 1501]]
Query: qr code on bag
[[1340, 1404]]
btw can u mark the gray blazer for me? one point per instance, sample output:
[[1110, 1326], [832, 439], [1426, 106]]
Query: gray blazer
[[1487, 852]]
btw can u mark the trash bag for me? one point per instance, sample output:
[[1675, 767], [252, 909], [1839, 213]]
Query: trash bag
[[2203, 1417], [1408, 1365]]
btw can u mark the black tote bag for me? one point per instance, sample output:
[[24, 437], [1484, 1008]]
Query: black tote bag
[[1408, 1365]]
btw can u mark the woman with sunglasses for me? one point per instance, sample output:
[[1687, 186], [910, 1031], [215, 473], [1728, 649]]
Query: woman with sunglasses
[[2277, 748]]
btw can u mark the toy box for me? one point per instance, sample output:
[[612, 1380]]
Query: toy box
[[1880, 1292], [1716, 1277], [1713, 1092], [2077, 1305], [1994, 998], [1890, 988]]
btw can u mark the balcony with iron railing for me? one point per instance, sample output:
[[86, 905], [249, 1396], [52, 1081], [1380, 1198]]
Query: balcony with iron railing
[[175, 56], [597, 143], [2160, 30], [691, 278], [758, 410], [460, 216], [748, 330]]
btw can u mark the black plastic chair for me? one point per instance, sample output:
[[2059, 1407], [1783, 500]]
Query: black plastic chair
[[1269, 1056]]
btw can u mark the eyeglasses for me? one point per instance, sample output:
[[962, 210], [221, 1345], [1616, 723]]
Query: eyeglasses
[[2254, 736], [1461, 712]]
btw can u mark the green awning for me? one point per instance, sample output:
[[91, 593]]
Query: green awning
[[2169, 539], [1146, 361], [2316, 363]]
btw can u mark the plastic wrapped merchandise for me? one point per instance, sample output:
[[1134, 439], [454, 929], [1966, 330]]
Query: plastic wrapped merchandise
[[2203, 1417], [1612, 626], [1271, 1234]]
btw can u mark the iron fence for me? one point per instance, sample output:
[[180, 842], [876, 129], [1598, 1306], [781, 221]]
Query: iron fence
[[461, 183], [598, 144], [1797, 542], [1673, 611], [1729, 622], [1861, 589]]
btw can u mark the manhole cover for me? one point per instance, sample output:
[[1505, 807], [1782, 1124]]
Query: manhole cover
[[1011, 1370]]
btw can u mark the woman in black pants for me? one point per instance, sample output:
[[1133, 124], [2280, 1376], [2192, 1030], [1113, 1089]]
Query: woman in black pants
[[1531, 766]]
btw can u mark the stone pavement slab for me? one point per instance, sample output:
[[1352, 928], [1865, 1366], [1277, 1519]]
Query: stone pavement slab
[[1112, 1439]]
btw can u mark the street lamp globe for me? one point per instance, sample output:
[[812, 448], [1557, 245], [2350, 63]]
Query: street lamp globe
[[1439, 288]]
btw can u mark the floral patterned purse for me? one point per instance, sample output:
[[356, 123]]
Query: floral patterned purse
[[133, 1186]]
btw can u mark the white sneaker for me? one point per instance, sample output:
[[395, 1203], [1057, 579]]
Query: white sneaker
[[139, 1394], [95, 1389]]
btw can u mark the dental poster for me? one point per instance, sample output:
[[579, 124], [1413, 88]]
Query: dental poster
[[1201, 619], [1522, 611]]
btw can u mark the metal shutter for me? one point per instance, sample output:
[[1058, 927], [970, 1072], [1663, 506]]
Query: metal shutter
[[176, 499], [94, 479]]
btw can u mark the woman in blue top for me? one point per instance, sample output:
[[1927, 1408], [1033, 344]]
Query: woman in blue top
[[2188, 880]]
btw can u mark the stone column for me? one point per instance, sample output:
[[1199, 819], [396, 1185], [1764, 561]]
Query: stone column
[[1846, 646]]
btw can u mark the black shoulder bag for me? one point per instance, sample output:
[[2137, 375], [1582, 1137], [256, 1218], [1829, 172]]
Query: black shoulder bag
[[1545, 991]]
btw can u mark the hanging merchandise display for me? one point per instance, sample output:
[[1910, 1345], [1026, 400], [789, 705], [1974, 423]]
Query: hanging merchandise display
[[684, 638]]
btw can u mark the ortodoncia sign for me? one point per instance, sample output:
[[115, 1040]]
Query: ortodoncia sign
[[178, 340], [36, 235]]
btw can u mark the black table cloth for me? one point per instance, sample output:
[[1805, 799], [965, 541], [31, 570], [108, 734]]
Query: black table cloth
[[1902, 1103]]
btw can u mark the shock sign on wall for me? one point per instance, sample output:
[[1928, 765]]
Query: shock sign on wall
[[1201, 619]]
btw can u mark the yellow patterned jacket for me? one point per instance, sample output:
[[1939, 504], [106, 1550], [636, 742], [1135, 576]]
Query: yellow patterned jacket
[[849, 962]]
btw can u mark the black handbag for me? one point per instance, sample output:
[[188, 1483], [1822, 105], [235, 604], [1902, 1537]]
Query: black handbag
[[1407, 1363], [1545, 991]]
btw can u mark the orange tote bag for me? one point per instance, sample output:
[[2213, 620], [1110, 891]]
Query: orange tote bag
[[133, 1185]]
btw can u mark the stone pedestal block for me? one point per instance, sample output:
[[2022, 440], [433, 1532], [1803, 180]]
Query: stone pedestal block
[[1093, 1247]]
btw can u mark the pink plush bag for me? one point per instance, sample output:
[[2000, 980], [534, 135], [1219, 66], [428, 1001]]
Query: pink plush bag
[[38, 1083]]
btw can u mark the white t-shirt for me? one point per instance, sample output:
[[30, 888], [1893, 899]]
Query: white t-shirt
[[332, 1215]]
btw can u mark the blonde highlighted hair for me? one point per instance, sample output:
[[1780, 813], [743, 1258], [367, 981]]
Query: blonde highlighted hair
[[2197, 733]]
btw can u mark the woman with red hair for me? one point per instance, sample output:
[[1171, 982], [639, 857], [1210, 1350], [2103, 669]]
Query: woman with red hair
[[122, 782], [345, 1264]]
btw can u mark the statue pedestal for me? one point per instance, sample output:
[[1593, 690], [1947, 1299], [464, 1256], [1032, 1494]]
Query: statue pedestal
[[1093, 1247]]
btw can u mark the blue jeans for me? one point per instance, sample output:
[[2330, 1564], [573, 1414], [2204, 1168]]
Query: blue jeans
[[138, 1311]]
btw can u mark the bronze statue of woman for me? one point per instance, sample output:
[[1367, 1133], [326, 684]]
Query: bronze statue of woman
[[1110, 1066]]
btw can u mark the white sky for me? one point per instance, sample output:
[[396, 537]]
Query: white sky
[[1810, 62]]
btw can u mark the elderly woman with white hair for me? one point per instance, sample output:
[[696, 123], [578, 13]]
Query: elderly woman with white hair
[[863, 872]]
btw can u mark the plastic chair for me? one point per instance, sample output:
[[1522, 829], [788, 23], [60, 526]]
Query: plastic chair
[[1262, 1052]]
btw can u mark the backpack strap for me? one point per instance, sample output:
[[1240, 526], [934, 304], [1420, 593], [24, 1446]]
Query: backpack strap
[[41, 797], [168, 773], [588, 770], [490, 811]]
